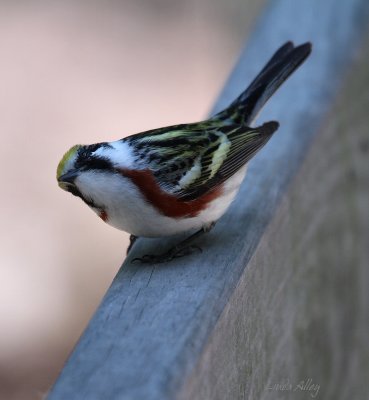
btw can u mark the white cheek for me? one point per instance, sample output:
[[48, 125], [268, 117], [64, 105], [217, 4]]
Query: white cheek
[[102, 187], [120, 154]]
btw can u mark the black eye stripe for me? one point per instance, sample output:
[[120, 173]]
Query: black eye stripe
[[94, 162], [87, 161]]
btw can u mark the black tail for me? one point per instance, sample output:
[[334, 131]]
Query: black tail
[[285, 60]]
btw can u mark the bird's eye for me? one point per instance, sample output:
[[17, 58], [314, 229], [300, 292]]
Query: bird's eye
[[92, 162], [98, 163]]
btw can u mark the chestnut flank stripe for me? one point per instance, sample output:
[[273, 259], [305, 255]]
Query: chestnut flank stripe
[[103, 215], [167, 204]]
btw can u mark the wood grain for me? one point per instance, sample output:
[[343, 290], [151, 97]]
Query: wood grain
[[296, 325], [278, 292]]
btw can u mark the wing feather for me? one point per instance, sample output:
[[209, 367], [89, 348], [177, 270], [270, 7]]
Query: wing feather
[[191, 159], [246, 142]]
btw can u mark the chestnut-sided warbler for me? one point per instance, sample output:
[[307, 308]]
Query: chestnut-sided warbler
[[178, 178]]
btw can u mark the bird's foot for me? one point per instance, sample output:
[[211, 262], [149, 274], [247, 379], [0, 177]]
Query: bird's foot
[[132, 240], [182, 249], [174, 252]]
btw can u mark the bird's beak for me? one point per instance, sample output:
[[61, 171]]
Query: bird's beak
[[69, 177], [67, 180]]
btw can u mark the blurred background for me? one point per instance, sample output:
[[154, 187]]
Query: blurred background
[[84, 72]]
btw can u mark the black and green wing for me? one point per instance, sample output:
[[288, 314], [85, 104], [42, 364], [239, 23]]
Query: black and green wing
[[190, 160], [243, 144]]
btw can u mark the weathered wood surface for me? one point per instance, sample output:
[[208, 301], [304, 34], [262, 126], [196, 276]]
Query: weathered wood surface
[[300, 310], [279, 294]]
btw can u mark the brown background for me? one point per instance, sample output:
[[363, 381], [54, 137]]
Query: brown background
[[82, 72]]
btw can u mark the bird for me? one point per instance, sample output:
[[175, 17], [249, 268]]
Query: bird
[[180, 178]]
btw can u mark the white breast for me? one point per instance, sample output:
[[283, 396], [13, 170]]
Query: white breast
[[127, 209]]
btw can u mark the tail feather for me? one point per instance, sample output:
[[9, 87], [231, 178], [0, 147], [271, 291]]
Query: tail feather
[[282, 64], [277, 57]]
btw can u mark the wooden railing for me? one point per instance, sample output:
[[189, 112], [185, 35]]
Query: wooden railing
[[276, 305]]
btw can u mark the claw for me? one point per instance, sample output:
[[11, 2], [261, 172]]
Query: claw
[[175, 252], [183, 248], [181, 252], [132, 240]]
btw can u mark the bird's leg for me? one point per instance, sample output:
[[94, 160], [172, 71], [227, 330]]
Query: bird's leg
[[132, 239], [181, 249]]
